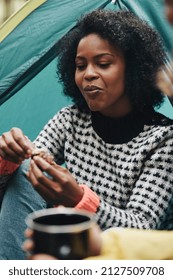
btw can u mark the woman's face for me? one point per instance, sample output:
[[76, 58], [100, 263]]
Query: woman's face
[[100, 74]]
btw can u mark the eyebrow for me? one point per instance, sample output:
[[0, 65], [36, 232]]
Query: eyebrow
[[97, 56]]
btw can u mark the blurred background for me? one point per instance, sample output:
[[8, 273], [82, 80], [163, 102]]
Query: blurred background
[[8, 7]]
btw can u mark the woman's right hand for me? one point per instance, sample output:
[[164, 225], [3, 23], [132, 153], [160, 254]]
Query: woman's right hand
[[15, 146]]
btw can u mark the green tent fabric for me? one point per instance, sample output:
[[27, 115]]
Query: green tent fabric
[[31, 46], [27, 72]]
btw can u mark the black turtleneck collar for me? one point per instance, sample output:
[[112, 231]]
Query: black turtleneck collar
[[118, 130]]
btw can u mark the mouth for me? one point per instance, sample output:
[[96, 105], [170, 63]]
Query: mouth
[[91, 88], [92, 91]]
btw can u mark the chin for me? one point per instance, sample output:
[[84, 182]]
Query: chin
[[92, 107], [95, 107]]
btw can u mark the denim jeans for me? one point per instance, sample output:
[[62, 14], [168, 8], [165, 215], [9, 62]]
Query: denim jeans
[[20, 199]]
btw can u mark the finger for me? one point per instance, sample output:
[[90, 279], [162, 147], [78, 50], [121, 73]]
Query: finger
[[10, 145], [38, 176], [61, 179], [22, 140], [56, 172], [44, 192], [2, 153], [33, 174], [28, 233], [95, 240], [43, 185], [42, 257], [28, 245], [10, 155]]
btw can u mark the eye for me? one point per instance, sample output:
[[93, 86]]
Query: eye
[[80, 67], [104, 65]]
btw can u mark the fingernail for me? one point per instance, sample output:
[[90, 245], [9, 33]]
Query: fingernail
[[29, 152]]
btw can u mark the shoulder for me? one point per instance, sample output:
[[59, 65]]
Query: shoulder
[[71, 115], [160, 120], [160, 125], [72, 110], [159, 130]]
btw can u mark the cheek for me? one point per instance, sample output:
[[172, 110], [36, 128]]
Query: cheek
[[116, 80], [78, 80]]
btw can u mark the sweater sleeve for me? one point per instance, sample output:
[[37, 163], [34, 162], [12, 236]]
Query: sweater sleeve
[[150, 203], [6, 170], [7, 167], [90, 200]]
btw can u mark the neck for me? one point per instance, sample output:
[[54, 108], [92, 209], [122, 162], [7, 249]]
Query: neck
[[118, 109]]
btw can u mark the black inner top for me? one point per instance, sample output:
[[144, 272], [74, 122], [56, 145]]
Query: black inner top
[[123, 129]]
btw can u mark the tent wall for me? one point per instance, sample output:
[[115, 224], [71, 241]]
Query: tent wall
[[34, 104]]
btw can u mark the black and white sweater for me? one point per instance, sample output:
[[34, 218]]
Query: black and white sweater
[[127, 162]]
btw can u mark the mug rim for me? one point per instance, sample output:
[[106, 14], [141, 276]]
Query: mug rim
[[72, 228]]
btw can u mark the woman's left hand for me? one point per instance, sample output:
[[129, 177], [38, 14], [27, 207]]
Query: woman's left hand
[[54, 183]]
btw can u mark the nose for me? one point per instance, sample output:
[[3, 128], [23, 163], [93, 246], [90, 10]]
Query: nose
[[90, 73]]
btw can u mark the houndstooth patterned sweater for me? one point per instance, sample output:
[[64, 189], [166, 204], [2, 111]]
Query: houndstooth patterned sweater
[[134, 179]]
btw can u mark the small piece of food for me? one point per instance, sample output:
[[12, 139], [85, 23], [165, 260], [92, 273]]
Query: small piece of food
[[44, 154]]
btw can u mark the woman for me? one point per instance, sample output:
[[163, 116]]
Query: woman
[[117, 150]]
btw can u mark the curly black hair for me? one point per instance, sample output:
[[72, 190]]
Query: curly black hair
[[140, 44]]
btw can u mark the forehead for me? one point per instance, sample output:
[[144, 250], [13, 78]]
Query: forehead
[[95, 44]]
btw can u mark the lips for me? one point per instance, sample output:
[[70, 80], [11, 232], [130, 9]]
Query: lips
[[92, 91], [91, 88]]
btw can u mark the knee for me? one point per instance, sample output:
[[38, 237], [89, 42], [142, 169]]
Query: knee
[[20, 190], [18, 179]]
